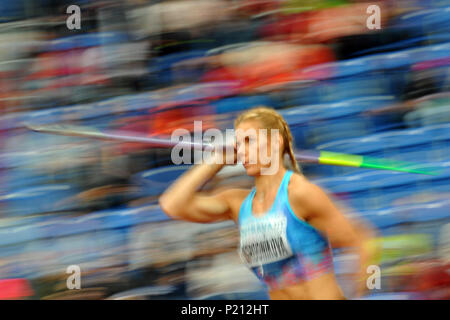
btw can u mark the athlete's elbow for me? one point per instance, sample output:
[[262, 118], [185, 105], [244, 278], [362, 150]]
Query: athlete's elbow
[[168, 207]]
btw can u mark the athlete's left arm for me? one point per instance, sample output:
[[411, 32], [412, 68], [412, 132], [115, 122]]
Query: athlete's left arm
[[320, 211]]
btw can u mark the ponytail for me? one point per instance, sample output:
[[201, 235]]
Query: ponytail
[[288, 146]]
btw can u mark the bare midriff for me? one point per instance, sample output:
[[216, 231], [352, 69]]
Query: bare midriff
[[323, 287]]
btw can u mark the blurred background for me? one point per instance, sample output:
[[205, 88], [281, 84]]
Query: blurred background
[[149, 67]]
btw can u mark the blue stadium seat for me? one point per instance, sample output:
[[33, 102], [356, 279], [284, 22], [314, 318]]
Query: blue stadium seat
[[240, 103], [13, 235], [427, 116], [154, 181], [434, 20], [414, 145], [147, 293], [161, 68], [40, 199], [378, 189], [315, 124], [87, 40]]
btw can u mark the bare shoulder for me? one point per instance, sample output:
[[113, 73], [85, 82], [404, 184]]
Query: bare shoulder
[[302, 193], [300, 186], [234, 197]]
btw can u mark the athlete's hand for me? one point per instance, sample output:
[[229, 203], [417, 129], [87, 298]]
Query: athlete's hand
[[229, 155], [223, 155]]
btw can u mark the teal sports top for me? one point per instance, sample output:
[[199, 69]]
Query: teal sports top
[[278, 247]]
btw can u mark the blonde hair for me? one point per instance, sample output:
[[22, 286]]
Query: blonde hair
[[271, 119]]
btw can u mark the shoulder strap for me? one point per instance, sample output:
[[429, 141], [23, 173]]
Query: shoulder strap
[[284, 185], [246, 207], [281, 198]]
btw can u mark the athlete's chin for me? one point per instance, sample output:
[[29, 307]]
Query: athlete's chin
[[255, 170]]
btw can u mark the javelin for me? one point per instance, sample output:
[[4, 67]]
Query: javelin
[[305, 156]]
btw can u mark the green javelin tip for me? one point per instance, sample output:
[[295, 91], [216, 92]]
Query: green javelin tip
[[343, 159]]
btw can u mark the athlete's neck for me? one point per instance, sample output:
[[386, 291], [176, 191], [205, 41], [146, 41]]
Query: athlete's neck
[[264, 184]]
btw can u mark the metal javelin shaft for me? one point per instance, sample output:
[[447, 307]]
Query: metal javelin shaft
[[306, 156]]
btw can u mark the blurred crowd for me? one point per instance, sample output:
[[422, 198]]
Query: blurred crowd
[[149, 67]]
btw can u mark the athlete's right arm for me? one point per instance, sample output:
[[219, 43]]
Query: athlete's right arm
[[182, 200]]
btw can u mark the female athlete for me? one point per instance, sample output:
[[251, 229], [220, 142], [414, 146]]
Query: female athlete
[[287, 224]]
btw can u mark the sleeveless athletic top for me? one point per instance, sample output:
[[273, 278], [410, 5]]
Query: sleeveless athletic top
[[278, 247]]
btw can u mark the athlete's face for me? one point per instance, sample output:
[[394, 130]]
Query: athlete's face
[[257, 148]]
